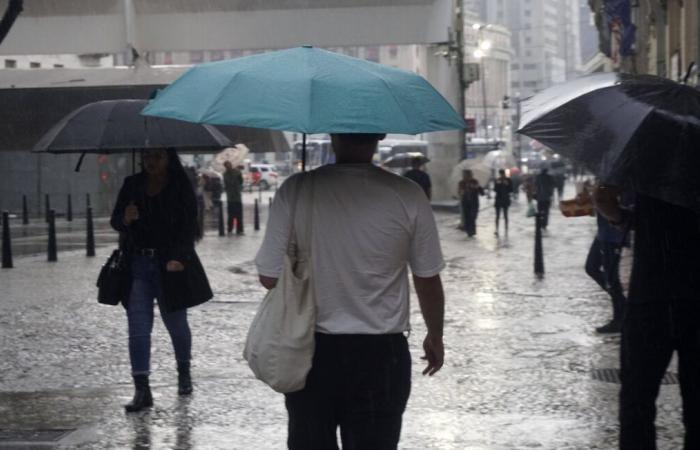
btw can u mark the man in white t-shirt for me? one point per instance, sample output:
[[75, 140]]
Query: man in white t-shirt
[[368, 227]]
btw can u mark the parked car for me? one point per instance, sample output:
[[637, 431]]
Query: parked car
[[262, 175]]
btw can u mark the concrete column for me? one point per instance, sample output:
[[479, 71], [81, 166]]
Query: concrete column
[[445, 148]]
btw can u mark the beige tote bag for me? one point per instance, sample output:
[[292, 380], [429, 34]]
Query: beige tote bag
[[280, 343]]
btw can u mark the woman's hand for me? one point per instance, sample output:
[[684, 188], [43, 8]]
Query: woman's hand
[[174, 266], [131, 214]]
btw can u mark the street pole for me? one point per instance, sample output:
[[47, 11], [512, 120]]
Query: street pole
[[518, 113], [6, 242], [483, 100], [459, 37]]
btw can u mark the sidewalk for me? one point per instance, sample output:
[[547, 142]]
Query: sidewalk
[[518, 367]]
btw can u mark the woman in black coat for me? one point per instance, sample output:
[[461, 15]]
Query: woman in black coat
[[156, 215]]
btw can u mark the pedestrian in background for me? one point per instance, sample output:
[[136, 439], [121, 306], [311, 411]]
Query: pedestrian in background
[[419, 176], [544, 191], [469, 192], [603, 265], [233, 182], [662, 315], [156, 212], [360, 377], [503, 188]]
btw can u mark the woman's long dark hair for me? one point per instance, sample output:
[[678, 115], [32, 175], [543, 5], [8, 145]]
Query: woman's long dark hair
[[181, 187]]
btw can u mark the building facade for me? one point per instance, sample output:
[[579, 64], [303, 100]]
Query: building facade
[[487, 100]]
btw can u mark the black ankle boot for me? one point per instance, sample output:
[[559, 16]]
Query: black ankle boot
[[184, 378], [142, 394]]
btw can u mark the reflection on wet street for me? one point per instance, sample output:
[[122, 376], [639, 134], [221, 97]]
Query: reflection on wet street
[[520, 353]]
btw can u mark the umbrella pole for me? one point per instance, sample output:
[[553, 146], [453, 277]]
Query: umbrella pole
[[80, 162], [303, 154], [133, 161]]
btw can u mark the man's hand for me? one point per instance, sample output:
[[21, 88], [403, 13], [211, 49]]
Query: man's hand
[[174, 266], [434, 354], [432, 304], [606, 200], [268, 282], [131, 214]]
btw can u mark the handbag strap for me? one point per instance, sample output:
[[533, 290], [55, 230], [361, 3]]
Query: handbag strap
[[304, 192]]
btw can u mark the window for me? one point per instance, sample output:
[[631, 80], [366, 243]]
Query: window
[[58, 66], [34, 65], [372, 53], [196, 57], [530, 66], [527, 13], [10, 64], [530, 84], [393, 51], [528, 40], [514, 66]]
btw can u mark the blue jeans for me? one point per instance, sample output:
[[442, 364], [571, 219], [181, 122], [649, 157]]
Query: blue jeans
[[145, 288]]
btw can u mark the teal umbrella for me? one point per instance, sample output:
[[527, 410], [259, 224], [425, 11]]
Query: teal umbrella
[[306, 90]]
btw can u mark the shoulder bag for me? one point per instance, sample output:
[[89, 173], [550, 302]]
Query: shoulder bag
[[280, 343]]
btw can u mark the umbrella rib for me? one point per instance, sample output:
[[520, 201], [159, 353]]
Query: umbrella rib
[[388, 86], [219, 98]]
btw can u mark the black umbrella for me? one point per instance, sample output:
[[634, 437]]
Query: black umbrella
[[117, 126], [405, 159], [642, 132]]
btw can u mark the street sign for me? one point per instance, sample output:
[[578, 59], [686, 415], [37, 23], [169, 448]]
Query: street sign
[[471, 72], [470, 125]]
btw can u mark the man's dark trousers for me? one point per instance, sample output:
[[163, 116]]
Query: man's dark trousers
[[606, 255], [650, 334], [359, 383], [235, 211]]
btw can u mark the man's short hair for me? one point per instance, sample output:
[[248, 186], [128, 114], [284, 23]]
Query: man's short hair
[[359, 138], [502, 172], [417, 161]]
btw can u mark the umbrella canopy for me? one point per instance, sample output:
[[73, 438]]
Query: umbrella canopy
[[235, 155], [116, 126], [306, 90], [499, 159], [639, 131], [480, 170], [405, 160]]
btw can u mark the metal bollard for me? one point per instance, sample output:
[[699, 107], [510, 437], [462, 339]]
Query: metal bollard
[[222, 231], [52, 250], [256, 216], [6, 248], [90, 243], [87, 200], [270, 203], [539, 254], [25, 211], [47, 207], [69, 209]]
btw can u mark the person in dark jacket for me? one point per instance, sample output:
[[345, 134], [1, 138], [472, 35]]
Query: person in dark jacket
[[156, 216], [662, 315], [233, 182], [603, 265], [504, 189], [469, 192], [420, 177], [544, 191]]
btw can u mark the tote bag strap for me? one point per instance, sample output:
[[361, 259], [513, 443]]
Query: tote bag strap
[[304, 193]]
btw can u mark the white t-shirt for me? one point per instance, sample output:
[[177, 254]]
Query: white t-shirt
[[369, 225]]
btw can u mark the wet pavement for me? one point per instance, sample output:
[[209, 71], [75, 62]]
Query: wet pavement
[[520, 352]]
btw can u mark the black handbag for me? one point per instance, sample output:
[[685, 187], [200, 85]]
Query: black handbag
[[114, 281]]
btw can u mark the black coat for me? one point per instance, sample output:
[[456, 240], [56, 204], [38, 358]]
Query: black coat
[[180, 290]]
